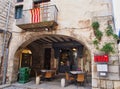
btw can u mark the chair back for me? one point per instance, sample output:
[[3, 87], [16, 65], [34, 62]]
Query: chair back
[[80, 78], [48, 74], [66, 76]]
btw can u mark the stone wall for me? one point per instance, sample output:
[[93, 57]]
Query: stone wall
[[4, 10], [74, 20], [113, 76]]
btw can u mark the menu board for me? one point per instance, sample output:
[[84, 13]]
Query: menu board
[[102, 67]]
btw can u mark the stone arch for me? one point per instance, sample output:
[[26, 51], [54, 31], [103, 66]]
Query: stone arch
[[27, 38]]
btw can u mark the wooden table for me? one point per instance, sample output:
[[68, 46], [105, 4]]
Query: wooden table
[[48, 73], [77, 75], [76, 72]]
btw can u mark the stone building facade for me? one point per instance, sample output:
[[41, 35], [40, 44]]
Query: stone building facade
[[74, 19]]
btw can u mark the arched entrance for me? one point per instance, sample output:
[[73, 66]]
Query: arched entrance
[[54, 52]]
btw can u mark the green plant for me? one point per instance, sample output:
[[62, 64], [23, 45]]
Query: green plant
[[108, 48], [115, 37], [95, 42], [109, 30], [95, 25], [98, 34]]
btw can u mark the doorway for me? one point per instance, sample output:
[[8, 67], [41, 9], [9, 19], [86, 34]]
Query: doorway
[[66, 60], [47, 57], [26, 59]]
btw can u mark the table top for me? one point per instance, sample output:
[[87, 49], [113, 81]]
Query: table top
[[77, 72], [47, 70]]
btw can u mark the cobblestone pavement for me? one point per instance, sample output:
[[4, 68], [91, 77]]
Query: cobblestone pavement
[[46, 85], [53, 84]]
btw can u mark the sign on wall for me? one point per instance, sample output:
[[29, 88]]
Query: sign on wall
[[101, 58], [102, 69]]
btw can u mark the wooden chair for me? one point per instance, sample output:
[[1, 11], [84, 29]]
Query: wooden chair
[[68, 77], [80, 78], [48, 75]]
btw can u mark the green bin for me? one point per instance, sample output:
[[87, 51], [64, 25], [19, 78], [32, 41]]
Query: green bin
[[24, 74]]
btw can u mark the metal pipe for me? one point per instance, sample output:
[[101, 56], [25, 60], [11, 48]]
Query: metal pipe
[[4, 44], [113, 16], [1, 31]]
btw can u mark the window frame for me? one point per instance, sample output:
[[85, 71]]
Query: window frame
[[18, 13], [19, 1], [40, 1]]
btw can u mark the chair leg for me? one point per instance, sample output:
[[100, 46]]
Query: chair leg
[[77, 84]]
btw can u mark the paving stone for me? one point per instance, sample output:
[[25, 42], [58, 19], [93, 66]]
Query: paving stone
[[46, 85], [117, 85]]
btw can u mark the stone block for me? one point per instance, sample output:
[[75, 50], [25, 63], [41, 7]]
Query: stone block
[[116, 84], [84, 23], [94, 68], [103, 84], [109, 84], [96, 88], [113, 76], [113, 60], [98, 82], [94, 75], [113, 69], [95, 83]]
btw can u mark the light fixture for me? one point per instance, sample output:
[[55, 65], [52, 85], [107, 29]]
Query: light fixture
[[74, 49], [46, 29]]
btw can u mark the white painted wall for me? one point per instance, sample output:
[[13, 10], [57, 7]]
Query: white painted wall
[[116, 13], [71, 12]]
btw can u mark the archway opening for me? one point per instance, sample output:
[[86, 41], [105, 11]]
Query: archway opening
[[54, 52]]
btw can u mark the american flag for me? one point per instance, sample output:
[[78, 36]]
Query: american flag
[[35, 15]]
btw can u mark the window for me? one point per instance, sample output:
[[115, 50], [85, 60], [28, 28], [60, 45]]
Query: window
[[19, 0], [37, 3], [18, 12], [40, 1]]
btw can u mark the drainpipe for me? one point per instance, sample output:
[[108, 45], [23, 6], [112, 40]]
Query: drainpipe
[[5, 46], [7, 52], [113, 16], [1, 31]]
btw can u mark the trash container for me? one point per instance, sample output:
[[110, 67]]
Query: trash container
[[24, 74]]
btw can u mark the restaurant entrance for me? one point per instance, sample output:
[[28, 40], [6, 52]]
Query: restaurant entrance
[[67, 61]]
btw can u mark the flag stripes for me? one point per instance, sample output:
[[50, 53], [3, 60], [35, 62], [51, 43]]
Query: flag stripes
[[35, 15]]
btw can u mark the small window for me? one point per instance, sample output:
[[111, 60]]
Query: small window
[[19, 0], [38, 3], [18, 12]]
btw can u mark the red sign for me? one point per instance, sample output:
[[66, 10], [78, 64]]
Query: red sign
[[101, 58]]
